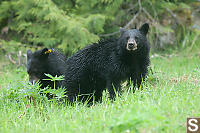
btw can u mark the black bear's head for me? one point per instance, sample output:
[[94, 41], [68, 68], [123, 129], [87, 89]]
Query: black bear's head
[[37, 64], [133, 40]]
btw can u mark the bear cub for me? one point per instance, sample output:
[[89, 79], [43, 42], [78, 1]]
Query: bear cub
[[106, 63], [45, 61]]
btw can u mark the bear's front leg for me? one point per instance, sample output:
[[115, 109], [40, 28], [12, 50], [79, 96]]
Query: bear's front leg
[[113, 88], [137, 80]]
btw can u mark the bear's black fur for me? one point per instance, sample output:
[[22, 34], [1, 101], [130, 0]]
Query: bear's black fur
[[106, 63], [43, 62]]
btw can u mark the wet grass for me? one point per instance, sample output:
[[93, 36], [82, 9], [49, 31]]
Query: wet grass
[[170, 95]]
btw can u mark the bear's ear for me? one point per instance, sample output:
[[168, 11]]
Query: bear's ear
[[122, 30], [29, 53], [45, 52], [144, 28]]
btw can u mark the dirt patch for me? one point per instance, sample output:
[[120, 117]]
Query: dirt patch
[[190, 79]]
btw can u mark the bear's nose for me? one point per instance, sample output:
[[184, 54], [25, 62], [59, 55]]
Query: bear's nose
[[131, 45]]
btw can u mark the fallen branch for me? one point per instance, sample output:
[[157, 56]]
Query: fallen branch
[[126, 26], [132, 20], [11, 60], [147, 13], [173, 15], [109, 34]]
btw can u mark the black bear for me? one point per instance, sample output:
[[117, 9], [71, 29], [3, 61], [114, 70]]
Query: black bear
[[106, 63], [45, 61]]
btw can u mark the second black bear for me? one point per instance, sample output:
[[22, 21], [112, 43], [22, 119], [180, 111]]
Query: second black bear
[[106, 63], [45, 61]]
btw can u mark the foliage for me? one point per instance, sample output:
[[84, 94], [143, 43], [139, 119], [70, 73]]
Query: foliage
[[51, 24], [70, 25], [54, 79], [22, 91]]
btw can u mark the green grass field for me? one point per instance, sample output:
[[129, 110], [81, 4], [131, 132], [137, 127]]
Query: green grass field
[[170, 95]]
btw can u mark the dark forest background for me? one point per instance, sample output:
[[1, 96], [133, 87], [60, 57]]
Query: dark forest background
[[70, 25]]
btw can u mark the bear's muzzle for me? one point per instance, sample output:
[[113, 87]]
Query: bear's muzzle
[[131, 45]]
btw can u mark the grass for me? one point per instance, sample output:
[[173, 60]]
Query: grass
[[170, 95]]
